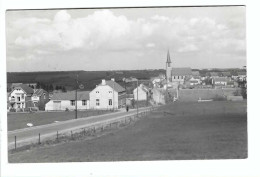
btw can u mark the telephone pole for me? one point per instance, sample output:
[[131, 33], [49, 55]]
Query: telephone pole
[[76, 97]]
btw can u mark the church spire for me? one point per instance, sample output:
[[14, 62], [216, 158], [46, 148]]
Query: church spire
[[168, 59]]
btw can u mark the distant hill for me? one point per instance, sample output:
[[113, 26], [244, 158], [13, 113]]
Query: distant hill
[[88, 78]]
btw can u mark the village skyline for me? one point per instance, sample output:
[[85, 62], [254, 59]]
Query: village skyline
[[125, 39]]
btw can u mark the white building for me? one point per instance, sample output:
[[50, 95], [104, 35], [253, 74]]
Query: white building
[[20, 97], [220, 81], [143, 92], [66, 100], [107, 95]]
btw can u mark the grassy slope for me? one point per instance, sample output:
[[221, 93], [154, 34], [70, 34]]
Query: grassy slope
[[190, 136]]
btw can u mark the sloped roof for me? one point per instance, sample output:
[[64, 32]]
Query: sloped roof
[[81, 95], [214, 74], [195, 73], [226, 73], [39, 92], [115, 85], [181, 71], [241, 73], [221, 79], [26, 88]]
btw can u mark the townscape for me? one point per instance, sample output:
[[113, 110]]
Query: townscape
[[126, 84], [183, 84]]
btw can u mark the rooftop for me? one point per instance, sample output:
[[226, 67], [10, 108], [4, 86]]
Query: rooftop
[[81, 95]]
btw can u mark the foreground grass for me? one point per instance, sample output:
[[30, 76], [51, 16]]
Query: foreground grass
[[19, 120], [175, 136]]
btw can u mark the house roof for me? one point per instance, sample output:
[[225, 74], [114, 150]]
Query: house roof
[[242, 73], [181, 71], [81, 95], [115, 85], [195, 73], [226, 73], [221, 79], [39, 92], [25, 88], [214, 74]]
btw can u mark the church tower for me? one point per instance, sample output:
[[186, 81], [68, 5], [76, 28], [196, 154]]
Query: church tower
[[168, 68]]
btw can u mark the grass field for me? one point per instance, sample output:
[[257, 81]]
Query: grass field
[[19, 120], [184, 132]]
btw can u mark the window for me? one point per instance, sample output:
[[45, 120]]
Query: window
[[84, 102], [44, 96], [22, 96], [97, 91], [18, 98], [109, 91], [110, 102], [72, 102], [97, 102]]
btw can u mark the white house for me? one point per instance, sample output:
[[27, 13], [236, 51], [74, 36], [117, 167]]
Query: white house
[[158, 95], [66, 100], [107, 95], [143, 92], [220, 81], [20, 97]]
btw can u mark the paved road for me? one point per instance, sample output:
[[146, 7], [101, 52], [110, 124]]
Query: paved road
[[27, 135]]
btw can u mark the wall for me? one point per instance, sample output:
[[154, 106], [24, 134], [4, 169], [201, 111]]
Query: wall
[[103, 97], [65, 104], [141, 94]]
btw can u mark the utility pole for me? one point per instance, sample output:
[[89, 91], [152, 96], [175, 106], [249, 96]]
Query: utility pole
[[76, 97], [137, 98]]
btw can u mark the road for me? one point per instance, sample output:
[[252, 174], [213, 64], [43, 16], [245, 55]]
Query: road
[[29, 135]]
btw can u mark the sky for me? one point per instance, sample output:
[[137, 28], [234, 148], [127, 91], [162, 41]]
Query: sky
[[126, 38]]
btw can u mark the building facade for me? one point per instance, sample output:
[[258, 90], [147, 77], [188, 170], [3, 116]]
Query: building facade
[[107, 95], [67, 101]]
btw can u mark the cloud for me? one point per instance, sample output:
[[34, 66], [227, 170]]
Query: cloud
[[105, 31]]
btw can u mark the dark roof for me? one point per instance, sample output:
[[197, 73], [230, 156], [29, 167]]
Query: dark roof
[[195, 73], [226, 73], [241, 73], [214, 74], [26, 88], [81, 95], [181, 71], [168, 58], [223, 79], [39, 92], [115, 85]]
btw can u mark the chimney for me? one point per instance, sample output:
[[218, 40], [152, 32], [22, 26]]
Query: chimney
[[113, 79], [103, 82]]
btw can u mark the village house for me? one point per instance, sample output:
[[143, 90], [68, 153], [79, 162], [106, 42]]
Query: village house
[[143, 92], [39, 98], [221, 81], [241, 75], [20, 97], [67, 101], [107, 95]]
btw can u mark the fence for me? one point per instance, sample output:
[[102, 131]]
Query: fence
[[89, 130]]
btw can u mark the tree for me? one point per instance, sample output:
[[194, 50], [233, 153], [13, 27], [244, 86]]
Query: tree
[[38, 85], [63, 89]]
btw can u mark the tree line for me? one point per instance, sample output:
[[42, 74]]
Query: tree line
[[48, 87]]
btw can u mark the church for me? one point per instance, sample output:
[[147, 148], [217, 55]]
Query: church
[[176, 75]]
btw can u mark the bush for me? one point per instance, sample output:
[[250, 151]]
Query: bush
[[219, 98], [12, 110]]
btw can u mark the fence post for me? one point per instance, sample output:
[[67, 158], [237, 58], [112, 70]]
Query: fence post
[[39, 139], [15, 142]]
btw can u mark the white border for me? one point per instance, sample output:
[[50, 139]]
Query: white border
[[218, 168]]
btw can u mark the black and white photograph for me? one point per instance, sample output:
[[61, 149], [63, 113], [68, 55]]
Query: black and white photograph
[[126, 84]]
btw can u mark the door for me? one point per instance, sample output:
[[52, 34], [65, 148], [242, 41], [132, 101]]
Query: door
[[56, 105]]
